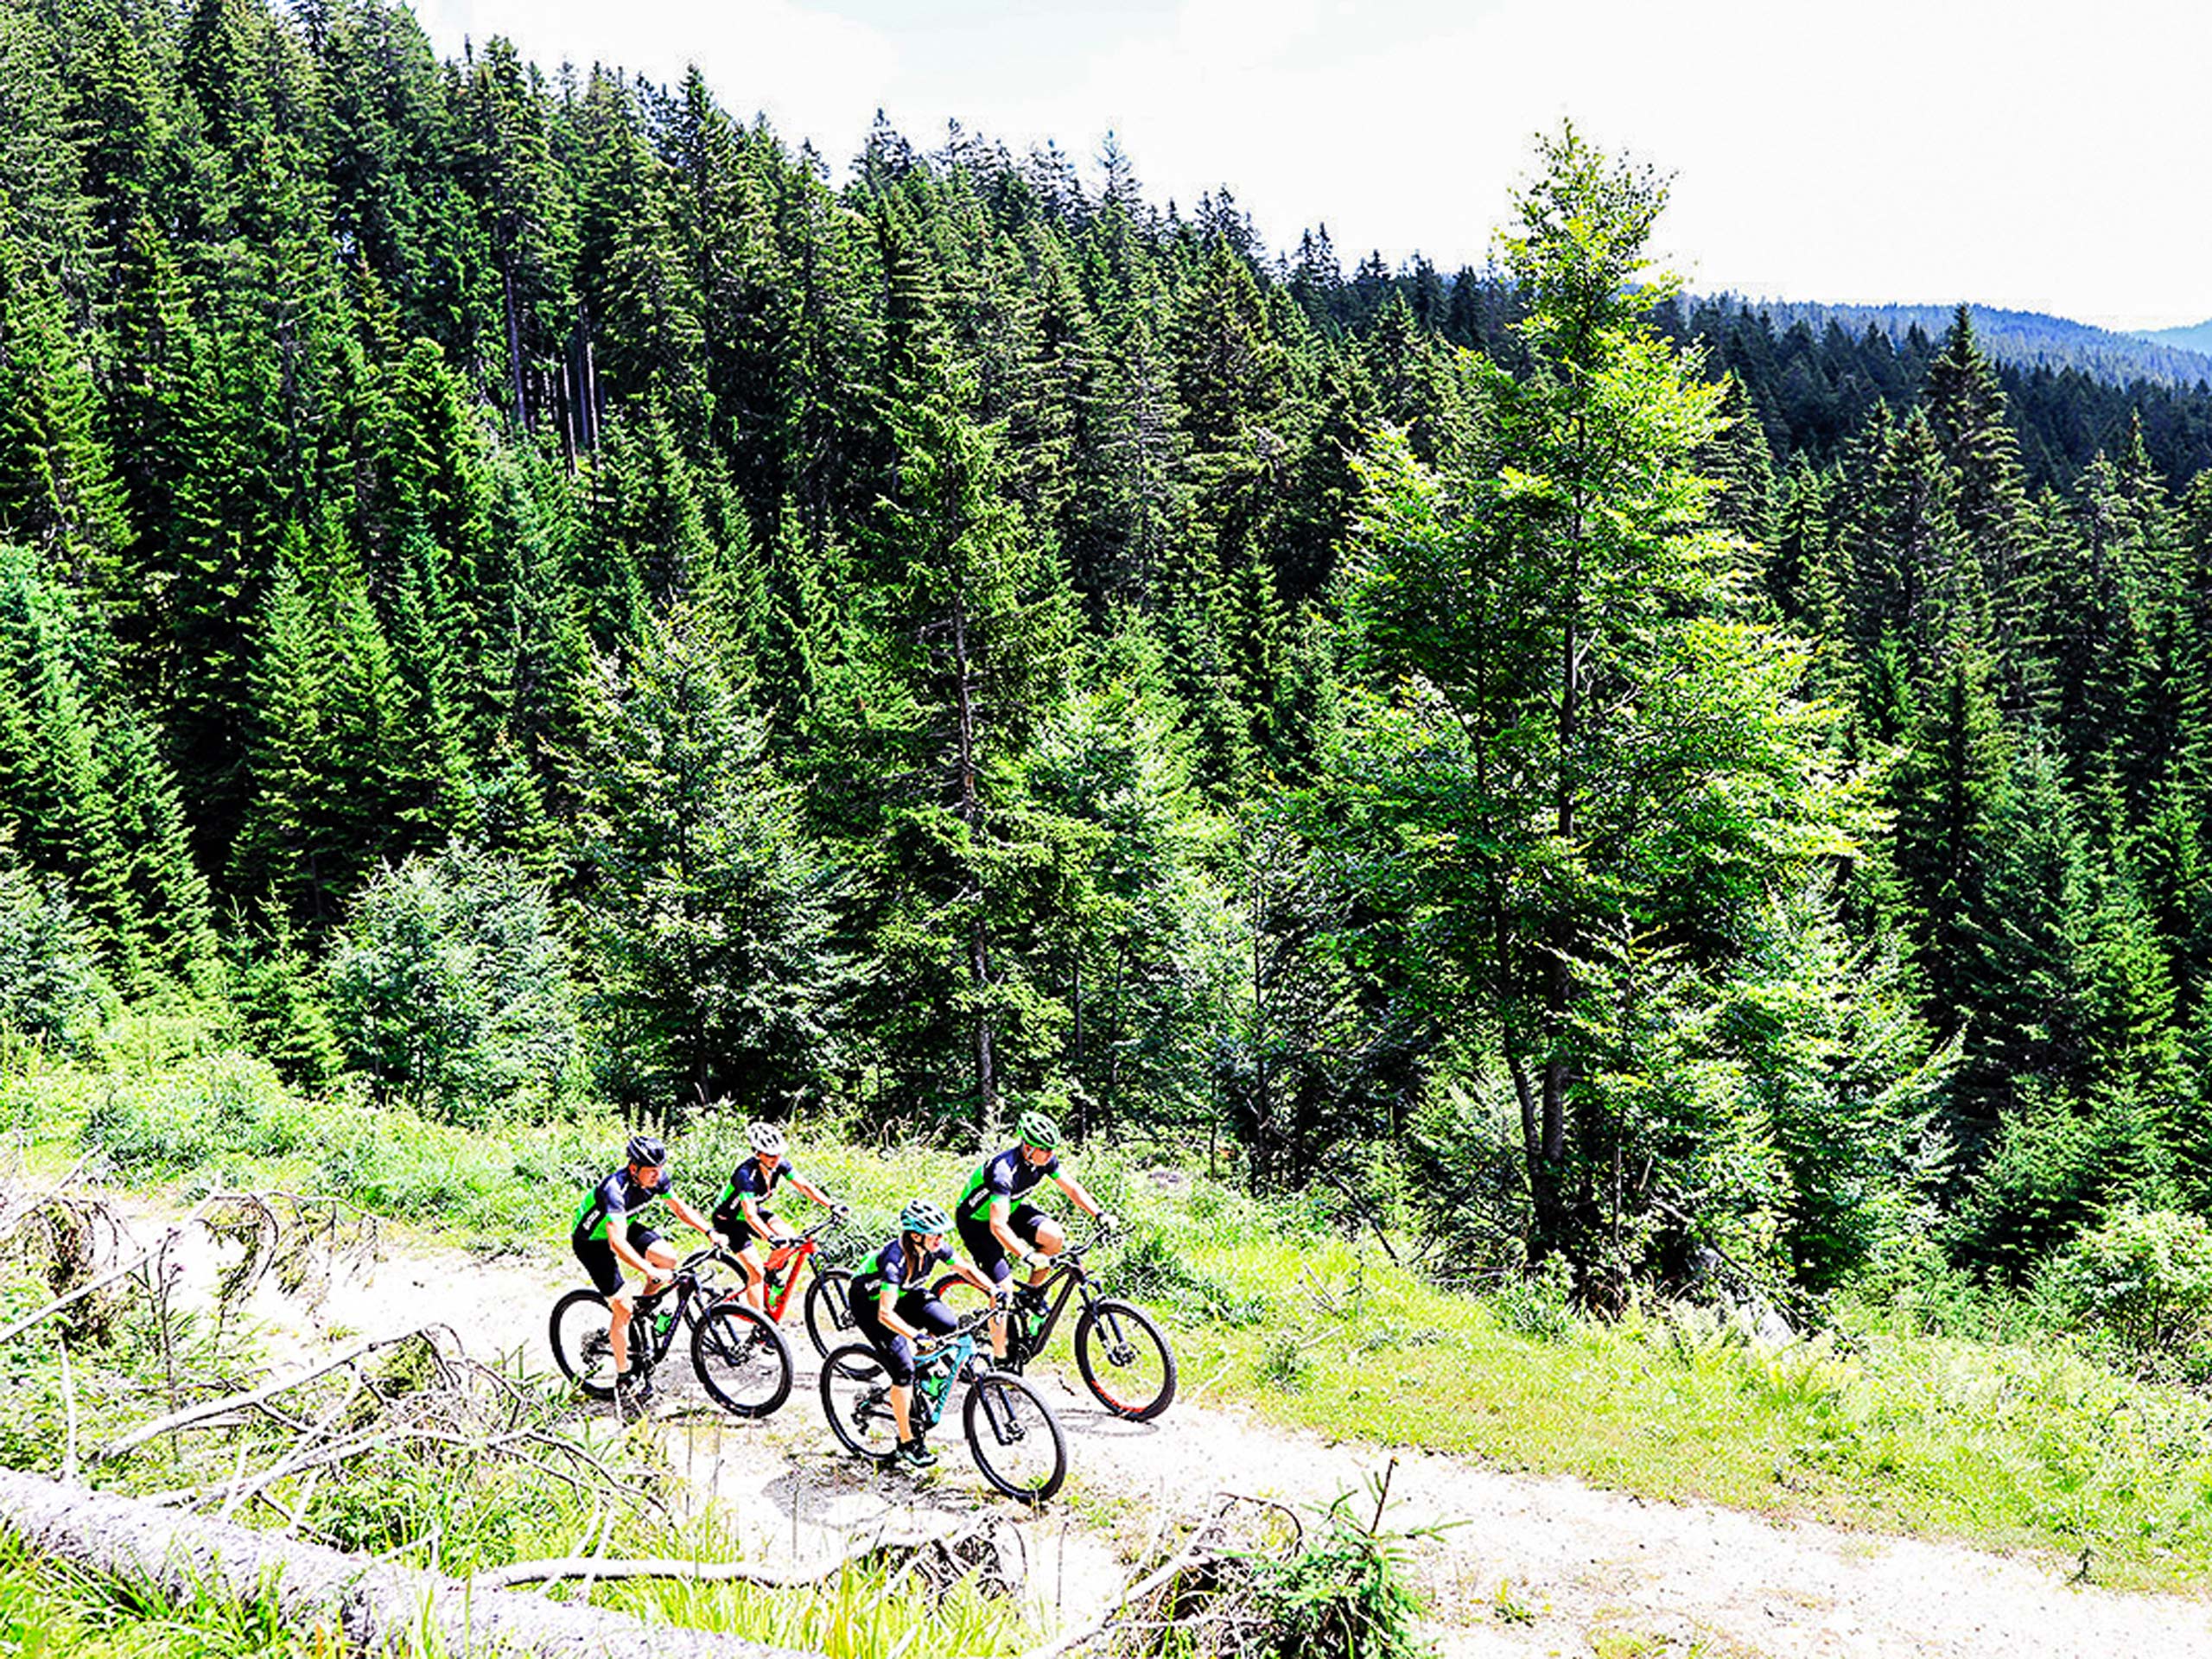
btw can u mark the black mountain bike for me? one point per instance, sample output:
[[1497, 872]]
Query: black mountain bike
[[1124, 1356], [1011, 1432], [742, 1360]]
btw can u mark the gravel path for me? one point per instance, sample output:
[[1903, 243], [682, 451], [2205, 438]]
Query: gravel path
[[1528, 1566]]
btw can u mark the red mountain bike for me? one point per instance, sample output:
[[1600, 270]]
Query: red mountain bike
[[828, 1311]]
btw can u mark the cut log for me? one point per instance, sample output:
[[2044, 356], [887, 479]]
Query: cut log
[[376, 1605]]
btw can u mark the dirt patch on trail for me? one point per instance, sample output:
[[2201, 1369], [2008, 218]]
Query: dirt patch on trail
[[1526, 1566]]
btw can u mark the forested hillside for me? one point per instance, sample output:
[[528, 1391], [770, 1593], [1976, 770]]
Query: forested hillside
[[519, 589]]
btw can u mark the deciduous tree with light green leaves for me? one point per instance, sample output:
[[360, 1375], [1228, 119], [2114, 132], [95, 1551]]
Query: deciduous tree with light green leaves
[[1583, 783]]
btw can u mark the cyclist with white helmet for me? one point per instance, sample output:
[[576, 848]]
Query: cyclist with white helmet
[[742, 1215], [606, 1239], [1000, 1227], [895, 1307]]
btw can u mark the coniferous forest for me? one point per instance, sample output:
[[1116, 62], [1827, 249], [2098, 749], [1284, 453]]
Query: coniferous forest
[[520, 587]]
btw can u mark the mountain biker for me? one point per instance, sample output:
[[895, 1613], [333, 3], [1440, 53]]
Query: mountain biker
[[606, 1240], [894, 1307], [742, 1215], [998, 1228]]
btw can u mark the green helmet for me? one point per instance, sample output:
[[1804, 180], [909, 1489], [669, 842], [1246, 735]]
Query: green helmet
[[922, 1216], [1037, 1130]]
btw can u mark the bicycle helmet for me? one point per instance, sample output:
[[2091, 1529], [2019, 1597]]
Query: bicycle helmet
[[922, 1216], [647, 1150], [1037, 1130], [765, 1138]]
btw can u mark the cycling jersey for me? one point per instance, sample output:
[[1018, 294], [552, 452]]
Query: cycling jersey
[[747, 1181], [888, 1267], [1007, 1176], [618, 1195]]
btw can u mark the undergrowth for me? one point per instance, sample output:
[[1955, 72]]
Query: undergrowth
[[1932, 1406]]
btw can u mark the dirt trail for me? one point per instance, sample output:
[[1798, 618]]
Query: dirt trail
[[1529, 1566]]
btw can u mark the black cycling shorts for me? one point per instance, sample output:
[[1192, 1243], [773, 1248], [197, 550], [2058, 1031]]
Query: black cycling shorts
[[919, 1308], [600, 1262], [983, 1247], [739, 1233]]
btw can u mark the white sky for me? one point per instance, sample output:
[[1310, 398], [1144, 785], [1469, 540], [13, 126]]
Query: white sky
[[2023, 154]]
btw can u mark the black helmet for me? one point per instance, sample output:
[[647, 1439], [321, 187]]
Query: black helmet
[[647, 1150]]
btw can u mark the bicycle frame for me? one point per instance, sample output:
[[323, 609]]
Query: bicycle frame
[[1067, 1280], [695, 1293], [794, 1254], [945, 1365]]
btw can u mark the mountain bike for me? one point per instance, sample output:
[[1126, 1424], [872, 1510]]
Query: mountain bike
[[1012, 1434], [740, 1356], [828, 1298], [1123, 1356]]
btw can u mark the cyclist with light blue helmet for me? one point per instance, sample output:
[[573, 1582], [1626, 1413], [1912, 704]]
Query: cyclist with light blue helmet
[[894, 1307]]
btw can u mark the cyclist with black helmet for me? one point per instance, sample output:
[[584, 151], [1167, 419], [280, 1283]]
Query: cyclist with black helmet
[[894, 1307], [606, 1239], [742, 1215], [1000, 1227]]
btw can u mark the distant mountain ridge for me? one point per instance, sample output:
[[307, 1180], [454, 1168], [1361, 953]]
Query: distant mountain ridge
[[2197, 337], [2028, 340]]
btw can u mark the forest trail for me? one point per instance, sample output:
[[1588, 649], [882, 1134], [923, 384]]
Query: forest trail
[[1525, 1566]]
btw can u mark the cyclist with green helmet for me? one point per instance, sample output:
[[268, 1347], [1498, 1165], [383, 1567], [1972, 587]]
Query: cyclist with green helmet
[[895, 1307], [742, 1215], [606, 1240], [999, 1227]]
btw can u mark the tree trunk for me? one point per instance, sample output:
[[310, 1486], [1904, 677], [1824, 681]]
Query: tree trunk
[[514, 341], [979, 963], [377, 1607]]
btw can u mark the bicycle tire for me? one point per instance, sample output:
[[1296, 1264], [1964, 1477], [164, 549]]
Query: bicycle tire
[[581, 1346], [1112, 1343], [855, 1387], [1014, 1437], [742, 1360], [828, 1309]]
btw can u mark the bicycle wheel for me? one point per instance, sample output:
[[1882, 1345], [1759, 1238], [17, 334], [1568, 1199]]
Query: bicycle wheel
[[581, 1346], [829, 1309], [1125, 1360], [742, 1359], [1014, 1437], [856, 1399]]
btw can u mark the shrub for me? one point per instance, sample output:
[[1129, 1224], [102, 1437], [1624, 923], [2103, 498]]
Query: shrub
[[50, 990], [450, 987], [1348, 1595], [1538, 1304], [2141, 1277], [226, 1106]]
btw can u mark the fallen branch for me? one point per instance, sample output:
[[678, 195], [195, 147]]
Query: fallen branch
[[1183, 1561], [253, 1398], [600, 1567], [1207, 1548], [377, 1607]]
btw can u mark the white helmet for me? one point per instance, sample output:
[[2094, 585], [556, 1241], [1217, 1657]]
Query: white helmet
[[765, 1138]]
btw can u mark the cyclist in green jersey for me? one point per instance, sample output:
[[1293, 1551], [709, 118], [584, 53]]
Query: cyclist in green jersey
[[742, 1215], [895, 1307], [1000, 1228], [606, 1240]]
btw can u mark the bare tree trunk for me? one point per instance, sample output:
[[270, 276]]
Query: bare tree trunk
[[1548, 1162], [376, 1606], [514, 341], [979, 963]]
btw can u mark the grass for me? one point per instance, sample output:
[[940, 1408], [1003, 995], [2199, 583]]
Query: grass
[[49, 1610], [865, 1611], [2023, 1444]]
